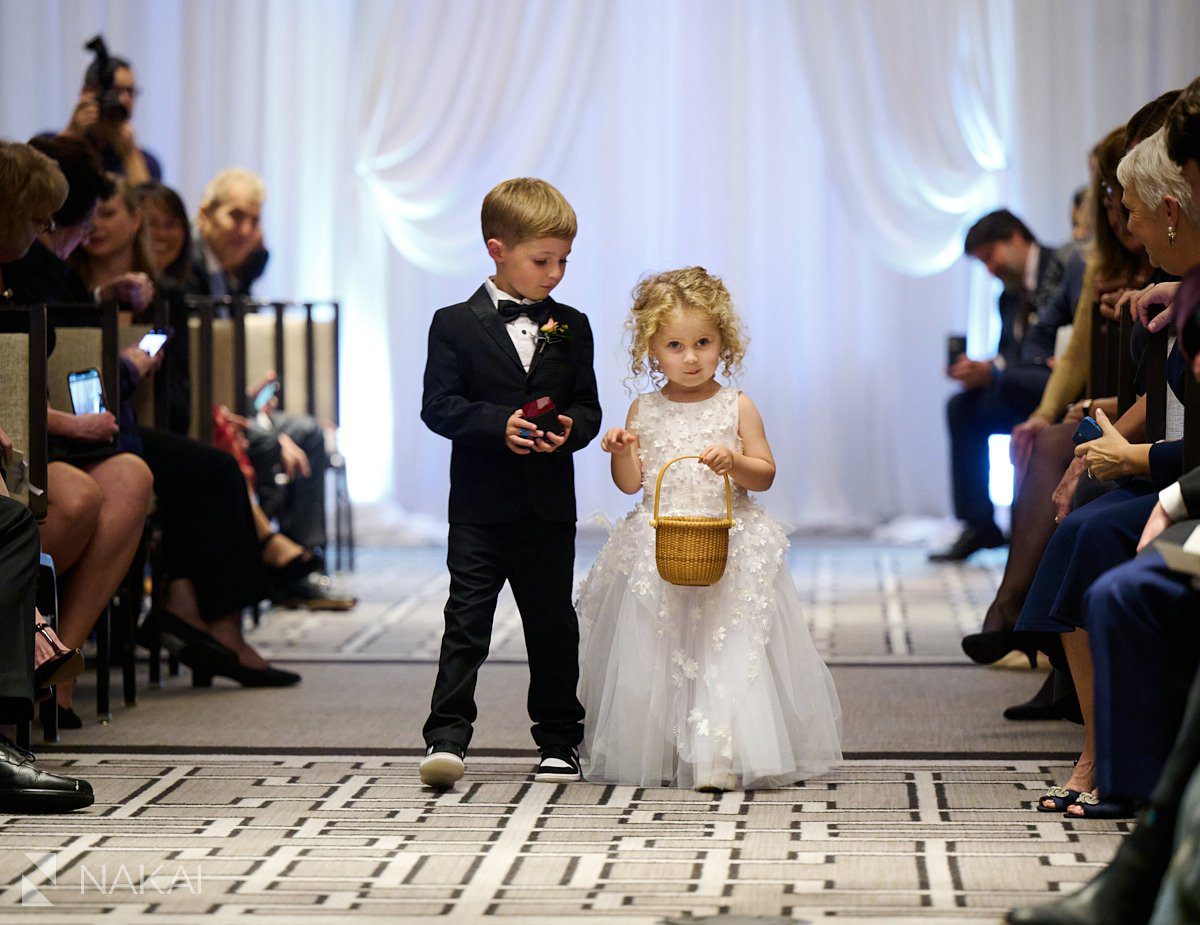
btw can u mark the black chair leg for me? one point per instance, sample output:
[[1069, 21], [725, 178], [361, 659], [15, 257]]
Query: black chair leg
[[103, 664], [49, 711], [23, 734]]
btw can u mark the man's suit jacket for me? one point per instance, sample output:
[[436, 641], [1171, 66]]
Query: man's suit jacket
[[1019, 315], [1054, 302], [474, 381]]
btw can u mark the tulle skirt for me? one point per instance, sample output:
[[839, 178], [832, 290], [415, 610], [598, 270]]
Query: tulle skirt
[[691, 686]]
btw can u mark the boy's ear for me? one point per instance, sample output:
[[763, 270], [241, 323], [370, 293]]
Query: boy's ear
[[495, 249]]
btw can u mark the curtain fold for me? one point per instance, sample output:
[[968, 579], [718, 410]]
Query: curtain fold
[[824, 157]]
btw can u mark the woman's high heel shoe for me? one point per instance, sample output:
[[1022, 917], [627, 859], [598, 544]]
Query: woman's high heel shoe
[[991, 646], [54, 663], [247, 677]]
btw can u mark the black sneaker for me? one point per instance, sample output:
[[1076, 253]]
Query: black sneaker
[[442, 765], [559, 765]]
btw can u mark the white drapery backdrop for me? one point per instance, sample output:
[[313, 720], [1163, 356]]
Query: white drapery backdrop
[[824, 157]]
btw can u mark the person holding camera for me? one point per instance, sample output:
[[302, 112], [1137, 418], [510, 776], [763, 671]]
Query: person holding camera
[[103, 117]]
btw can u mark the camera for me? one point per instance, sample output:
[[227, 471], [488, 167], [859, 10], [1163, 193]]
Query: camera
[[109, 98]]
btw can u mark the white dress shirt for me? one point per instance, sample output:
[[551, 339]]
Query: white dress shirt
[[522, 329]]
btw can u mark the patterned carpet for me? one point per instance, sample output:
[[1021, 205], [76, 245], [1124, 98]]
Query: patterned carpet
[[320, 839], [864, 603], [186, 829]]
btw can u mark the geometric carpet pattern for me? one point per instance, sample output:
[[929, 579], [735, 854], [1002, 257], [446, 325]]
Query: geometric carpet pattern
[[187, 829], [334, 837], [864, 603]]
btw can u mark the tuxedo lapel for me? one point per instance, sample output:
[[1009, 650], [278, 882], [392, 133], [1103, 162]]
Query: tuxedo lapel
[[539, 347], [485, 311]]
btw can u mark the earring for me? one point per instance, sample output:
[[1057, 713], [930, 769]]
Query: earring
[[1170, 234]]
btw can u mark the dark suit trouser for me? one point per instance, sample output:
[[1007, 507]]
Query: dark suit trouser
[[19, 548], [973, 415], [300, 505], [537, 559], [1144, 629]]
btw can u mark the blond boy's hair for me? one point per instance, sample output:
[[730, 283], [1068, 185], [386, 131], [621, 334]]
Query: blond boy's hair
[[524, 209]]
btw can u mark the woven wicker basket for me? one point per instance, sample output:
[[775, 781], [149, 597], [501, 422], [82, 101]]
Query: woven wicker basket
[[691, 550]]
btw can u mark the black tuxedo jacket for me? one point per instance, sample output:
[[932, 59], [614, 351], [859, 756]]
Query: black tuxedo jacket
[[474, 381]]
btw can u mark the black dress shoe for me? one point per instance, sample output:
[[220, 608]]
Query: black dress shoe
[[1044, 705], [969, 542], [68, 718], [25, 788], [1121, 894]]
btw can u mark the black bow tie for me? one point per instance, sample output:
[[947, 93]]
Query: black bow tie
[[536, 311]]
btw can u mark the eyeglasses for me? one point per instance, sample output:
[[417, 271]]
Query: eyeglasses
[[44, 225]]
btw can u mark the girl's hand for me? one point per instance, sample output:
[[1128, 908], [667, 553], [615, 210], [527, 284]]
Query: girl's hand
[[618, 440], [718, 458], [1106, 456]]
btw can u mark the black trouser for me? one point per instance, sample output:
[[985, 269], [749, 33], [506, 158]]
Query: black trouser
[[207, 523], [973, 415], [537, 558], [299, 505], [19, 548]]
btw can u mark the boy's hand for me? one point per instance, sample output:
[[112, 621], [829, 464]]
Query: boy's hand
[[618, 441], [718, 458], [520, 435], [549, 442]]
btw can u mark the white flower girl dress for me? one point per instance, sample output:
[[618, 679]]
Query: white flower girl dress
[[716, 686]]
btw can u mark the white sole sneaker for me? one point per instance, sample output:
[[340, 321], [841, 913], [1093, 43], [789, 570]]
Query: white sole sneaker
[[441, 770], [558, 777]]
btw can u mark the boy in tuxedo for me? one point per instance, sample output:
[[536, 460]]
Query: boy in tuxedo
[[512, 480]]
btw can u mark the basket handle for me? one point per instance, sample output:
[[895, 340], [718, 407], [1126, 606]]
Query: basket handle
[[658, 490]]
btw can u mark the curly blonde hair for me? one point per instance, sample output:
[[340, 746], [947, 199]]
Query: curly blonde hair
[[691, 289]]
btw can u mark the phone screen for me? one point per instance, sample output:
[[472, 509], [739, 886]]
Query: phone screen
[[266, 393], [87, 397], [153, 341]]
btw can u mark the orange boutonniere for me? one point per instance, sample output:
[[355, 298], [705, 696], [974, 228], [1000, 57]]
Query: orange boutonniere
[[552, 332]]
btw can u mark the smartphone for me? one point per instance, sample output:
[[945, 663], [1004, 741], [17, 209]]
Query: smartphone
[[265, 394], [956, 346], [542, 414], [87, 395], [154, 340], [1087, 430]]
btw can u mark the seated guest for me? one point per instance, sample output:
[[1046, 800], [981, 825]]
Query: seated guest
[[1145, 604], [32, 189], [97, 494], [999, 393], [1115, 260], [210, 542], [229, 257], [104, 120], [1105, 533], [229, 254]]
